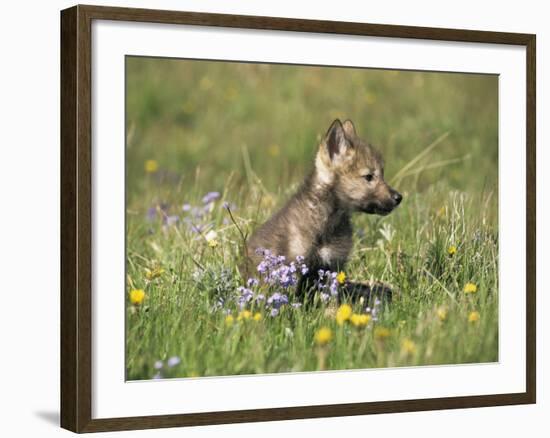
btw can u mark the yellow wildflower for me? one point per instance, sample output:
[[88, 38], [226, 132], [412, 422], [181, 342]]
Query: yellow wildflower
[[231, 93], [229, 320], [408, 347], [274, 150], [151, 274], [211, 236], [359, 320], [381, 333], [341, 277], [442, 313], [323, 336], [343, 314], [441, 211], [245, 314], [205, 83], [268, 201], [451, 250], [470, 288], [473, 317], [151, 166], [137, 296], [257, 316], [370, 98]]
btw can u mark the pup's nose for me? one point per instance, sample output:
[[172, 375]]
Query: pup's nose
[[396, 196]]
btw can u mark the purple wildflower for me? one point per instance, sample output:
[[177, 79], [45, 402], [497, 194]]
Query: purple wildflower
[[375, 309], [262, 267], [252, 282], [196, 227], [263, 252], [277, 300], [327, 284], [173, 361], [171, 220], [276, 272], [210, 197], [245, 296], [333, 286], [158, 365], [151, 214]]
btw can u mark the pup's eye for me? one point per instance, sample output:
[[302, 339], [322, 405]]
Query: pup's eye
[[369, 177]]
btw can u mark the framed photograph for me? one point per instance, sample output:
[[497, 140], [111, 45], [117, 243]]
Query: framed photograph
[[269, 219]]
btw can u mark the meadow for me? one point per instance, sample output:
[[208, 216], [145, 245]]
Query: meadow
[[213, 149]]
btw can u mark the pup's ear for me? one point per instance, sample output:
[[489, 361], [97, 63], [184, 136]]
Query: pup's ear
[[335, 140], [349, 129]]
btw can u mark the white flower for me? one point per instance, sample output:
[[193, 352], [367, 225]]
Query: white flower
[[211, 235]]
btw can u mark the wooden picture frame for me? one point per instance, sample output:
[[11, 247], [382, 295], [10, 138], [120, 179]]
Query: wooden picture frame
[[76, 217]]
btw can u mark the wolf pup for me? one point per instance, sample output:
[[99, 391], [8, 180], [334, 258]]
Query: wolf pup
[[315, 223]]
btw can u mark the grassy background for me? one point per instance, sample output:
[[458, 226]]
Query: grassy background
[[250, 132]]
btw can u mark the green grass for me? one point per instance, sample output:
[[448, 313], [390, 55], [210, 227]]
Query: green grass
[[250, 132]]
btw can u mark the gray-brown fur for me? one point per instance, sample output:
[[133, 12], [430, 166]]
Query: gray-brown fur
[[315, 223]]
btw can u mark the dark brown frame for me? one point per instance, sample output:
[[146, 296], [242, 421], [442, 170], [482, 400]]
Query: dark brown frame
[[76, 236]]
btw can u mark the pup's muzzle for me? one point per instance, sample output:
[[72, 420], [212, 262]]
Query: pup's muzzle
[[396, 197]]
